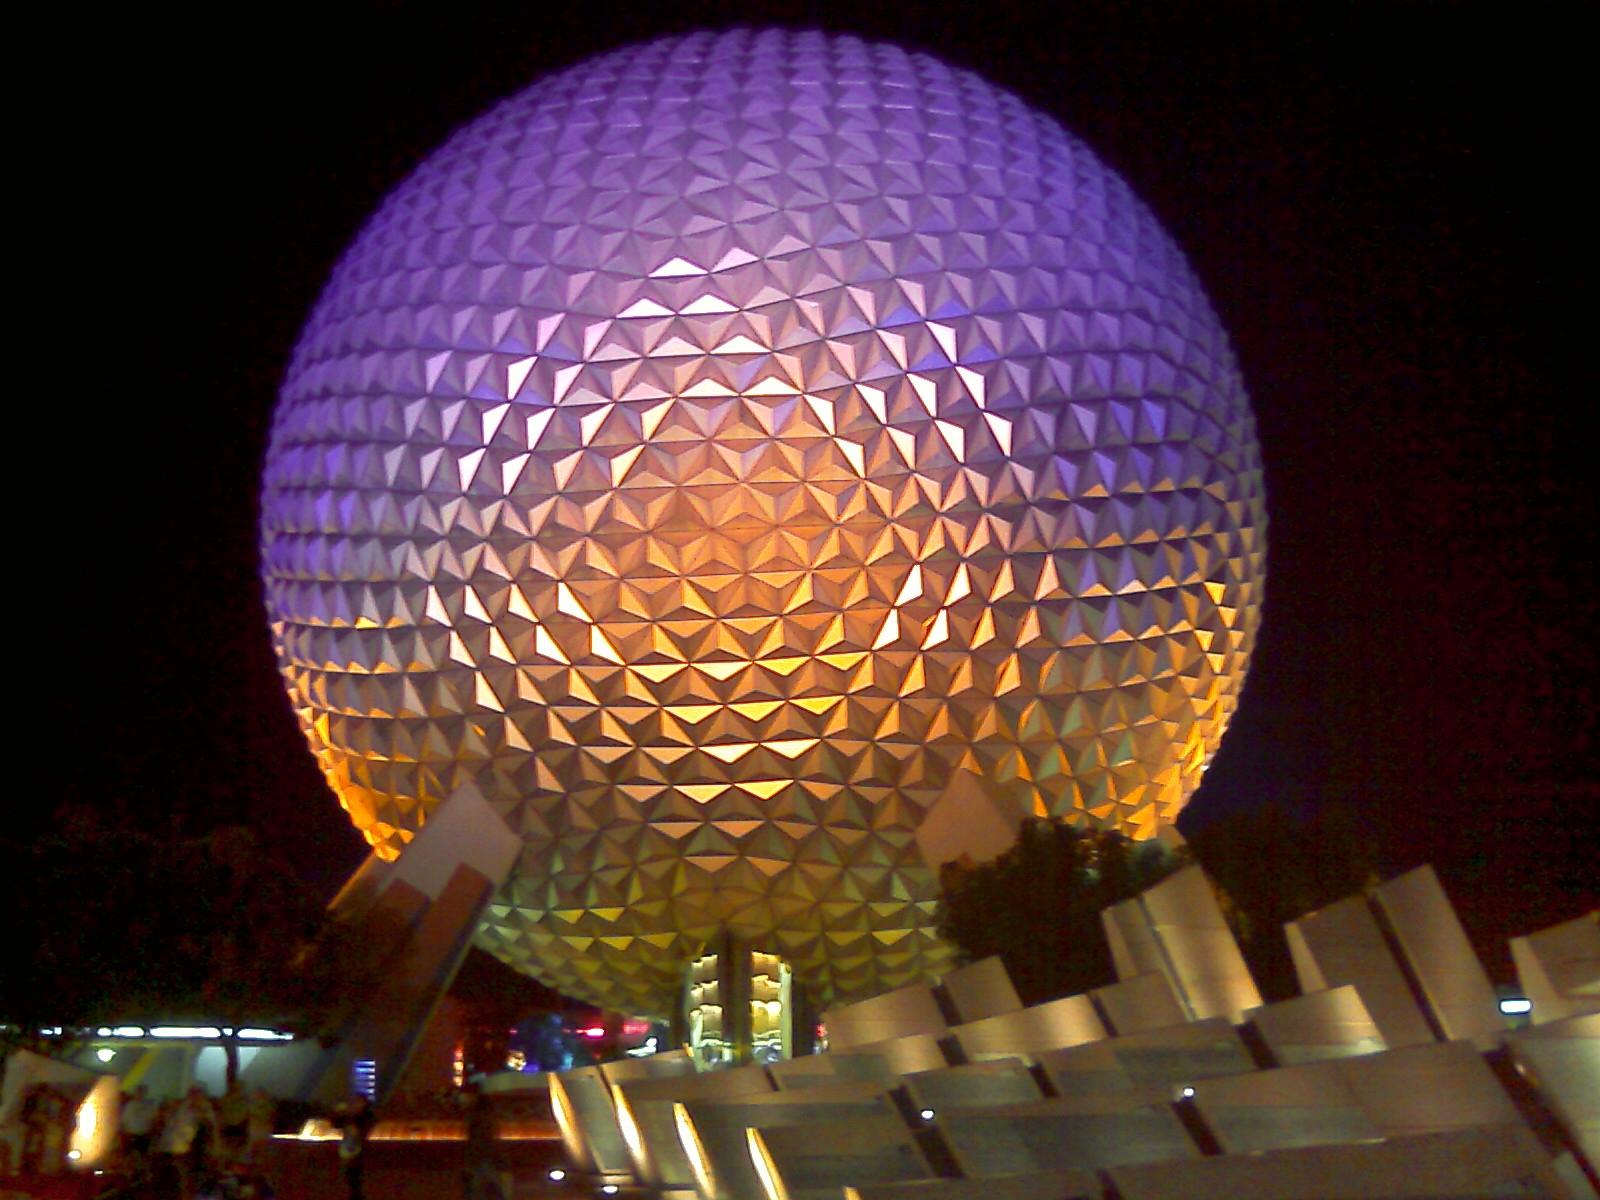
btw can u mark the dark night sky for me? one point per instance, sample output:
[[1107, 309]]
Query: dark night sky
[[1380, 201]]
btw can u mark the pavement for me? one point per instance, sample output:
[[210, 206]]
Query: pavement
[[428, 1169], [414, 1170]]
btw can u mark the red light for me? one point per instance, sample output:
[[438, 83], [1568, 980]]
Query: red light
[[593, 1032], [635, 1027]]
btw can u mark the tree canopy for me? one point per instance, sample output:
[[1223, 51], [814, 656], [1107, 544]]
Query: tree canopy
[[1038, 905], [108, 924], [1270, 866]]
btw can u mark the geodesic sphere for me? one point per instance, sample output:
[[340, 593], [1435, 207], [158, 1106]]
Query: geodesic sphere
[[727, 451]]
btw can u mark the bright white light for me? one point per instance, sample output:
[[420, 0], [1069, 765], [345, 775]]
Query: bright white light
[[1188, 1092], [317, 1129], [94, 1125], [927, 1114], [1516, 1006], [264, 1035], [557, 1175], [105, 1054], [610, 1189], [186, 1031]]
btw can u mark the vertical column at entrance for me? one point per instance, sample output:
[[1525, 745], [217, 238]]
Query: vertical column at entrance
[[741, 1004]]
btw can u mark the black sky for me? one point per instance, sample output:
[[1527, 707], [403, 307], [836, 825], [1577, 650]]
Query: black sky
[[1384, 204]]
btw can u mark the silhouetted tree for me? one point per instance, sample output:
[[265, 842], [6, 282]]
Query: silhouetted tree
[[108, 923], [241, 945], [1038, 905], [1272, 866]]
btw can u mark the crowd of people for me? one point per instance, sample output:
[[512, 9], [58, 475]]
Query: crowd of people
[[47, 1114], [196, 1148]]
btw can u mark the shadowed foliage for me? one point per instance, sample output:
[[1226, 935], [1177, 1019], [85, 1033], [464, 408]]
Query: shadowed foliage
[[113, 924], [1038, 905], [1270, 866]]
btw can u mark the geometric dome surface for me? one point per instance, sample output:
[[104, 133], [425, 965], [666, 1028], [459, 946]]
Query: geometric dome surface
[[726, 452]]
